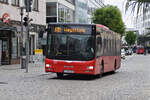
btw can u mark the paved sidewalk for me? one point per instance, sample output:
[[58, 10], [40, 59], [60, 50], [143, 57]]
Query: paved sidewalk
[[31, 66], [9, 73], [16, 84], [16, 68]]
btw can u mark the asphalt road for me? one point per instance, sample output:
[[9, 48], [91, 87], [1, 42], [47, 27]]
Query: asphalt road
[[131, 82]]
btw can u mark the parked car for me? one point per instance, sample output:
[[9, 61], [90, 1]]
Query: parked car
[[140, 49], [123, 53]]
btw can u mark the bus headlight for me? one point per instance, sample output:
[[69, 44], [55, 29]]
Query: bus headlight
[[48, 65], [90, 67]]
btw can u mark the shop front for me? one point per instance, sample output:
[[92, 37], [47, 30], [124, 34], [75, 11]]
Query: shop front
[[8, 46]]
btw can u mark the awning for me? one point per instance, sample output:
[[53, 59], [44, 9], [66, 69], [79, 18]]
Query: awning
[[8, 28]]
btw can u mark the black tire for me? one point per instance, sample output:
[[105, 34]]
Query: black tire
[[101, 71], [60, 75], [115, 65]]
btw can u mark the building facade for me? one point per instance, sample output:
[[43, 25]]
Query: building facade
[[10, 28], [142, 23], [92, 6], [81, 15], [71, 11], [60, 10]]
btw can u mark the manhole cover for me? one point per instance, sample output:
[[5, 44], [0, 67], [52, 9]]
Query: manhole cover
[[3, 83]]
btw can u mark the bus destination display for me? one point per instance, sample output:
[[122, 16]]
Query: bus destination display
[[71, 29]]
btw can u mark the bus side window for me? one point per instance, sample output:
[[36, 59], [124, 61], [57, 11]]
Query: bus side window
[[99, 40], [105, 47], [116, 46], [98, 47], [113, 47], [110, 47]]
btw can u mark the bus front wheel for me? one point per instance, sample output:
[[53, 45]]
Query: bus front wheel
[[101, 71], [60, 75]]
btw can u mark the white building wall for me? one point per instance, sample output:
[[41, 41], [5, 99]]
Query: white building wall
[[77, 15], [39, 17], [14, 12]]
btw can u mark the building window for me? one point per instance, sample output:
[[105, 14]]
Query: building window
[[51, 12], [51, 9], [4, 1], [51, 19], [15, 2], [36, 5], [65, 14]]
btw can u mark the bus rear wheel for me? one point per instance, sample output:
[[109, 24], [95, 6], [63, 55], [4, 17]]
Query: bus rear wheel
[[115, 65], [60, 75]]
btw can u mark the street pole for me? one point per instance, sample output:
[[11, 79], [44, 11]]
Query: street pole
[[21, 38], [27, 45], [28, 4], [27, 37]]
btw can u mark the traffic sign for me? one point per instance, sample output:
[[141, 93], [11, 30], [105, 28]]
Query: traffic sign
[[6, 18]]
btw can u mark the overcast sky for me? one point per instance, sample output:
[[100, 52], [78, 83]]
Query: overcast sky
[[127, 17]]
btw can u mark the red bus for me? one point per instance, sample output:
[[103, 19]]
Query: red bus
[[140, 49], [82, 49]]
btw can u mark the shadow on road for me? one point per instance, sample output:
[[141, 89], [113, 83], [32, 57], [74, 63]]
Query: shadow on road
[[82, 77]]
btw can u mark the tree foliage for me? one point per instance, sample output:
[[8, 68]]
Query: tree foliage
[[130, 38], [141, 39], [110, 16]]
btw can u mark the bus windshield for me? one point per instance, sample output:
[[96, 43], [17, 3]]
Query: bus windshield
[[70, 47]]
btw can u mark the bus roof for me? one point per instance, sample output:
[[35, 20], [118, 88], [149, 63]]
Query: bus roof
[[102, 26], [99, 25]]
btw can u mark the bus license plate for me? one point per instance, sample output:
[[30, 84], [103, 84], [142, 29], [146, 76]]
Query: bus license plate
[[68, 71]]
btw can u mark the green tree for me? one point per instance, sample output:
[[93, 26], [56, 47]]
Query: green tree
[[130, 38], [140, 39], [138, 5], [110, 16]]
